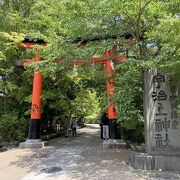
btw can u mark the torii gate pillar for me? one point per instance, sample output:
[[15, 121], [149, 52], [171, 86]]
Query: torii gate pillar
[[33, 140], [110, 90], [34, 126]]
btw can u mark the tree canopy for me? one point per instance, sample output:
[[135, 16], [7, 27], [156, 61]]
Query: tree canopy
[[81, 29]]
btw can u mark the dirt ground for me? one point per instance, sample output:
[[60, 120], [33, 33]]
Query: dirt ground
[[80, 158]]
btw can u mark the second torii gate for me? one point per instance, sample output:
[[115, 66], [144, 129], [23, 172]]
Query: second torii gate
[[107, 58]]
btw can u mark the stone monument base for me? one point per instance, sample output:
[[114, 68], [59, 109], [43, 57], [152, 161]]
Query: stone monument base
[[32, 143], [154, 162], [114, 143]]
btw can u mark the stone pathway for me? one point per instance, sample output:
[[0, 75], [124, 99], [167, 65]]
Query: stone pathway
[[80, 158]]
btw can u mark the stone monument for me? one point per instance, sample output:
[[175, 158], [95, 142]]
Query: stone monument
[[162, 124]]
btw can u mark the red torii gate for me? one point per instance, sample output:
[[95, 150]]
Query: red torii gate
[[106, 59]]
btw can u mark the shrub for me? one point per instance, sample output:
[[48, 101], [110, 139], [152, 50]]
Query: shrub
[[11, 127]]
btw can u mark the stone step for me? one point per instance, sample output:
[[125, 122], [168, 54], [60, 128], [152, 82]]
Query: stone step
[[114, 144]]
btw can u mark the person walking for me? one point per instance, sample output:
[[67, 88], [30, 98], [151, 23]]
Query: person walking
[[74, 127], [105, 128]]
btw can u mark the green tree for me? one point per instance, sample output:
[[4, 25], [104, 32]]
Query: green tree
[[83, 29]]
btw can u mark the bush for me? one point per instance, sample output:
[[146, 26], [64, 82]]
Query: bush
[[12, 128], [133, 135]]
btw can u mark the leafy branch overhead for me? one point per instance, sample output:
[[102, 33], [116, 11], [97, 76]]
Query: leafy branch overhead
[[145, 30]]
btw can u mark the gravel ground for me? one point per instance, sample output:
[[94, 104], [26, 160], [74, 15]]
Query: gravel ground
[[80, 158]]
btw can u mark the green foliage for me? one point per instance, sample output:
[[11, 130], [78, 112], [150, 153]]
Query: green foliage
[[129, 95], [69, 96], [12, 127], [133, 135], [70, 29]]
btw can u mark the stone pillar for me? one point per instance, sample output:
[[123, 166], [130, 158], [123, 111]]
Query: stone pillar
[[162, 124]]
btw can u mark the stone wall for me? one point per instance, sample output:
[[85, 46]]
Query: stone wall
[[154, 162]]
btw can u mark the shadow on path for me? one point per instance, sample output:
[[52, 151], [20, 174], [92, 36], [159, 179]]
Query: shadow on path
[[81, 157]]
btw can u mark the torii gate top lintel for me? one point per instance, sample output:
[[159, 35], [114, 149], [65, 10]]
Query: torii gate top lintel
[[109, 54]]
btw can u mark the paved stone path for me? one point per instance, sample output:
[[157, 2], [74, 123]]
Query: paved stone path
[[80, 158]]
